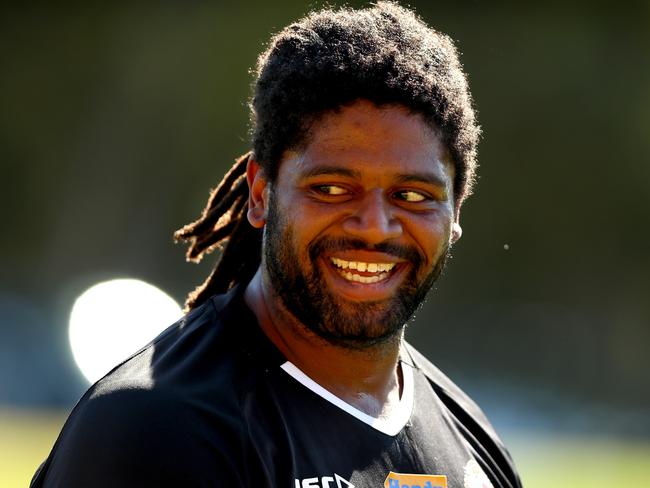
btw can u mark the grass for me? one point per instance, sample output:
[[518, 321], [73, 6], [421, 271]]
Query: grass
[[565, 461], [544, 460], [26, 438]]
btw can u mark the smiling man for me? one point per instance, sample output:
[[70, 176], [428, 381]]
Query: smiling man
[[371, 194], [290, 369]]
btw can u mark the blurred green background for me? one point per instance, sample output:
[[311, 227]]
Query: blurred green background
[[115, 121]]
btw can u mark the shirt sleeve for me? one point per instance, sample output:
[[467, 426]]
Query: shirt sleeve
[[141, 438]]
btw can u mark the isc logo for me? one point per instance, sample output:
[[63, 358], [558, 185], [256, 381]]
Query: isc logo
[[400, 480], [335, 481]]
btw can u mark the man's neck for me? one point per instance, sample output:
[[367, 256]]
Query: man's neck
[[367, 379]]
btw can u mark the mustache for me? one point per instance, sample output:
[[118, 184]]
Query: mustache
[[330, 244]]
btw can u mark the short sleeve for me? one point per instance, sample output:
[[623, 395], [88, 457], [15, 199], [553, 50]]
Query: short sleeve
[[140, 438]]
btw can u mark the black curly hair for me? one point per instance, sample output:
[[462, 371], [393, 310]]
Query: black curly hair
[[329, 59]]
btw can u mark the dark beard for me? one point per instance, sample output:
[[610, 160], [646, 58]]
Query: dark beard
[[331, 317]]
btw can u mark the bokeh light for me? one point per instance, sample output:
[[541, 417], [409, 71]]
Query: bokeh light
[[113, 319]]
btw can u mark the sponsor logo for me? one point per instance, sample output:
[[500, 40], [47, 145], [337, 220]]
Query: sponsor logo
[[475, 477], [401, 480], [335, 481]]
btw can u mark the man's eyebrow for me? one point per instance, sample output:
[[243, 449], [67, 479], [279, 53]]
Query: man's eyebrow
[[418, 177], [427, 178], [330, 171]]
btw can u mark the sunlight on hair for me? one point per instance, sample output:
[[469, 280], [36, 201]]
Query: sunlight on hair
[[113, 319]]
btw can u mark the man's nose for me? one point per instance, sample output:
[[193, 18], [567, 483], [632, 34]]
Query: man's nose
[[373, 220]]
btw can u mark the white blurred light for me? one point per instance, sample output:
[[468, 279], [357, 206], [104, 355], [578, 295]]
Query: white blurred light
[[113, 319]]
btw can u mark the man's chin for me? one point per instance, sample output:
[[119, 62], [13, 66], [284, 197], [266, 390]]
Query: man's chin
[[358, 341], [359, 329]]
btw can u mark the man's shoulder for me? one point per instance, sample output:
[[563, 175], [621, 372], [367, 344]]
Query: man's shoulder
[[199, 344], [469, 420], [138, 436], [166, 411], [454, 398], [203, 356]]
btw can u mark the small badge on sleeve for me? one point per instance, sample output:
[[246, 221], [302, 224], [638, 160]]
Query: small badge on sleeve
[[400, 480], [475, 477]]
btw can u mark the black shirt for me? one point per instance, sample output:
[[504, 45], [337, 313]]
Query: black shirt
[[212, 403]]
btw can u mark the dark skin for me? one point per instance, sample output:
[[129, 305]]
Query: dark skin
[[377, 174]]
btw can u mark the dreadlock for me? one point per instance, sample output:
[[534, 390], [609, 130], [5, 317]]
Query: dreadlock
[[327, 60], [223, 225]]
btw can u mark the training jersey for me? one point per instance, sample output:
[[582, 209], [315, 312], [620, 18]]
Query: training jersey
[[211, 402]]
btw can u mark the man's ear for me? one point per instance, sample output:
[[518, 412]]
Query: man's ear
[[456, 229], [456, 232], [257, 194]]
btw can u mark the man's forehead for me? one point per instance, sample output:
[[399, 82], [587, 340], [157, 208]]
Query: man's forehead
[[430, 175], [366, 127], [362, 119]]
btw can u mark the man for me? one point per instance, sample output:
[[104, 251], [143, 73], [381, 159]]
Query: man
[[290, 369]]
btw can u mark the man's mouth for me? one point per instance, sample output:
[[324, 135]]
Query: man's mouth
[[362, 272]]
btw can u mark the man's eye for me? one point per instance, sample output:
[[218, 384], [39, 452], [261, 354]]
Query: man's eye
[[411, 196], [331, 190]]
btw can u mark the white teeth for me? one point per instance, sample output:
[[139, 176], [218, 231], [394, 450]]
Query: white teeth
[[363, 267], [364, 279]]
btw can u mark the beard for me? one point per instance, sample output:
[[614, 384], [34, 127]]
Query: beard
[[306, 294]]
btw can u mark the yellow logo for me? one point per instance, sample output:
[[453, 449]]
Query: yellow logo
[[400, 480]]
